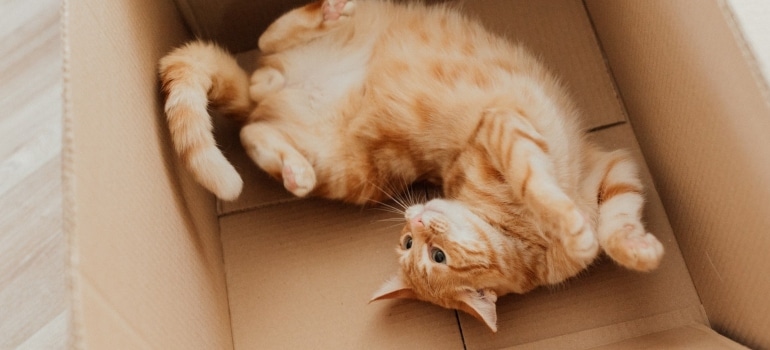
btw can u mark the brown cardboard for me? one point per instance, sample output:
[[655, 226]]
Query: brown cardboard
[[145, 252], [303, 272], [235, 24], [703, 123], [156, 262], [694, 337]]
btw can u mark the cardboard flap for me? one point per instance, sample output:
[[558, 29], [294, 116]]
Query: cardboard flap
[[703, 124], [300, 275], [234, 24], [145, 253], [748, 20], [696, 337]]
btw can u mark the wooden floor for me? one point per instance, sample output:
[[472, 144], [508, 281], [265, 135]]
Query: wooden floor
[[33, 285]]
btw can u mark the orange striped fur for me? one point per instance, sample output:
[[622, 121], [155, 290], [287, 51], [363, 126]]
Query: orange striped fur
[[354, 100]]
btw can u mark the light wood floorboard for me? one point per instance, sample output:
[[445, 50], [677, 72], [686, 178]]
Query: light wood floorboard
[[33, 286]]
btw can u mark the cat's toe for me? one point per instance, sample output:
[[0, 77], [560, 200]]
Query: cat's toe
[[336, 9], [635, 249], [298, 180], [647, 252]]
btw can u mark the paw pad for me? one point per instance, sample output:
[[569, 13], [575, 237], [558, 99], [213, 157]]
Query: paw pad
[[298, 180], [335, 9]]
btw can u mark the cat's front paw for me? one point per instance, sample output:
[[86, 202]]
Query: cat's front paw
[[336, 9], [298, 179], [634, 248], [265, 81]]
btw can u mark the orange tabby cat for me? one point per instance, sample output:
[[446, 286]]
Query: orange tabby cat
[[352, 97]]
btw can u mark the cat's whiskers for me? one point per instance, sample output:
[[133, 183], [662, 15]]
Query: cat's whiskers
[[395, 199], [408, 196], [394, 225], [391, 219], [388, 208], [401, 199]]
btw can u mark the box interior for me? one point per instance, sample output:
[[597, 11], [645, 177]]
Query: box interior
[[158, 262]]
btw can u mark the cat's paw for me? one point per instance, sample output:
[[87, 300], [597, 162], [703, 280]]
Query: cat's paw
[[632, 247], [298, 179], [265, 81], [336, 9], [580, 239]]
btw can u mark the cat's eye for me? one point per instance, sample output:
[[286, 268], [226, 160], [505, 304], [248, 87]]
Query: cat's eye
[[407, 242], [438, 256]]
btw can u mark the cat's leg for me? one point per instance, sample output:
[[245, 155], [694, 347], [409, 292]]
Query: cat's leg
[[294, 28], [619, 194], [518, 151], [273, 152], [304, 24]]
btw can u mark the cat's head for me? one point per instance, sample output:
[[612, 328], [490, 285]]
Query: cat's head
[[446, 258]]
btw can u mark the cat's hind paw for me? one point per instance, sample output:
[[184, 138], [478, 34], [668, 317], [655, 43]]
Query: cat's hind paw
[[298, 179], [336, 9], [634, 248]]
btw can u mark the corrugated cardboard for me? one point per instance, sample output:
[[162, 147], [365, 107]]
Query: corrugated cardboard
[[157, 263], [306, 274], [692, 337], [704, 126], [145, 251], [234, 24]]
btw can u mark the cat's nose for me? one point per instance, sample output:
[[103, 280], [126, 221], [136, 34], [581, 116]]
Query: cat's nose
[[416, 222]]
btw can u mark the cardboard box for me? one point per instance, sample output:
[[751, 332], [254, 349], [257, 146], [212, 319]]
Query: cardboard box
[[157, 262]]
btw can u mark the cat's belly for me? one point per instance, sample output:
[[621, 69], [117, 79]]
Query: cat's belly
[[324, 86]]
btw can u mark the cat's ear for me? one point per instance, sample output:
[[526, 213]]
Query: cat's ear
[[480, 304], [394, 288]]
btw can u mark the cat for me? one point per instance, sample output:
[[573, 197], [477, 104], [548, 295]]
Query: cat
[[352, 97]]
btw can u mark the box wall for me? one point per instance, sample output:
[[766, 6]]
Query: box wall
[[703, 125], [234, 24], [145, 252]]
